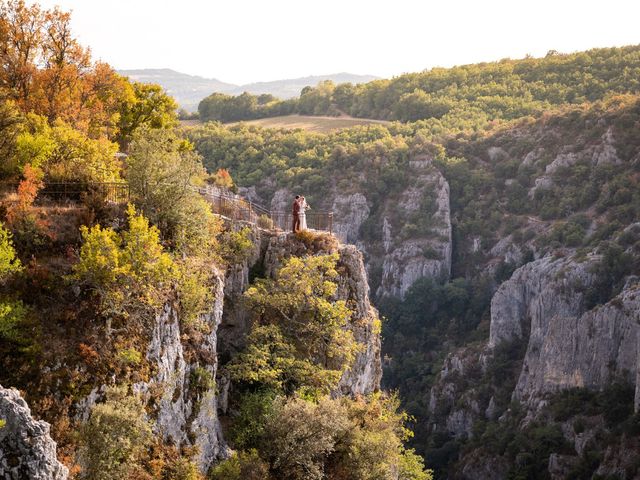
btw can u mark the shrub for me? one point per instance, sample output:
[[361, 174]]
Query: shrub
[[236, 246], [265, 222], [9, 263], [30, 232], [114, 439], [241, 466], [317, 242], [129, 357], [202, 380], [248, 425], [194, 289], [13, 315], [128, 270]]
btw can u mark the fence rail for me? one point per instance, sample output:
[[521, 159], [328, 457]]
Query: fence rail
[[228, 205], [237, 208]]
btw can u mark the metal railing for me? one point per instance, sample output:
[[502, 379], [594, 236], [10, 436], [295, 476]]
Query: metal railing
[[226, 204], [238, 208]]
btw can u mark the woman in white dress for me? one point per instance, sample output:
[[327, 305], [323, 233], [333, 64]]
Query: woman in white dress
[[304, 206]]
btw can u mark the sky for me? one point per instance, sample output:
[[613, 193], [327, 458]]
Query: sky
[[243, 41]]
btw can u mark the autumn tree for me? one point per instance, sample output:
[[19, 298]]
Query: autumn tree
[[20, 39], [45, 70]]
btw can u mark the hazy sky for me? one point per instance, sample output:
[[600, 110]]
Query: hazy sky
[[241, 41]]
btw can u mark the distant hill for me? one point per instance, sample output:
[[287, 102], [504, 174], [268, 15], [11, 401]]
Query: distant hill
[[188, 90], [291, 88]]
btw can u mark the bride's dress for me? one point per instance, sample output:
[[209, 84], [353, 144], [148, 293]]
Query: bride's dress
[[303, 215]]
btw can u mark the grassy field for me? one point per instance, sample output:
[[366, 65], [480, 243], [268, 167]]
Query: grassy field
[[306, 122], [313, 124]]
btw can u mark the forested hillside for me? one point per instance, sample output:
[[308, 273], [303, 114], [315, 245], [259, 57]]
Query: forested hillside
[[467, 97], [550, 197]]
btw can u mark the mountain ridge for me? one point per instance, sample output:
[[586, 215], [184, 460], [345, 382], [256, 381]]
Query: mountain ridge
[[188, 89]]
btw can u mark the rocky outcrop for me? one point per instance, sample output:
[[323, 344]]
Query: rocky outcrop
[[427, 253], [366, 372], [602, 153], [567, 345], [26, 448], [349, 212], [186, 413]]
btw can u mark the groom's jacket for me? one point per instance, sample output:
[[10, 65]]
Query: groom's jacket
[[296, 208]]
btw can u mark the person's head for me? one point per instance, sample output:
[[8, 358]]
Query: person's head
[[297, 197]]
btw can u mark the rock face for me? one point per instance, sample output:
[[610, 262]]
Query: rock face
[[366, 372], [543, 306], [185, 414], [271, 250], [567, 346], [350, 212], [427, 254], [26, 448]]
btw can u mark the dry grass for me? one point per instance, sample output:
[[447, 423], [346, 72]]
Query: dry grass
[[313, 124]]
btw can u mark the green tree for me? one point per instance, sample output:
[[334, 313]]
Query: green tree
[[300, 338], [161, 170], [148, 108]]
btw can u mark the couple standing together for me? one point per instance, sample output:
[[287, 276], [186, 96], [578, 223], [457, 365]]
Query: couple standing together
[[300, 207]]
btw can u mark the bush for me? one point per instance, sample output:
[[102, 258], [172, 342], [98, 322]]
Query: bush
[[236, 246], [241, 466], [129, 357], [13, 314], [265, 222], [248, 425], [114, 439], [9, 263], [128, 270]]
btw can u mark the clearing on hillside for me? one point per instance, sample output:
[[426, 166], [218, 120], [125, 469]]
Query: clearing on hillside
[[312, 123]]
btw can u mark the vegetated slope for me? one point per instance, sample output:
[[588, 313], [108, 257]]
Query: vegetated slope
[[477, 93], [109, 314]]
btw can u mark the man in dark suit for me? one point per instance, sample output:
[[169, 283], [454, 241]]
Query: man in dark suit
[[296, 214]]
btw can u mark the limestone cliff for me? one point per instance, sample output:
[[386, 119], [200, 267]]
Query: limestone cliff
[[269, 252], [26, 448], [184, 413], [567, 345], [409, 233]]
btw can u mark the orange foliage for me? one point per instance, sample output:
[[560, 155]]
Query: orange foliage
[[222, 178], [46, 71], [28, 190]]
